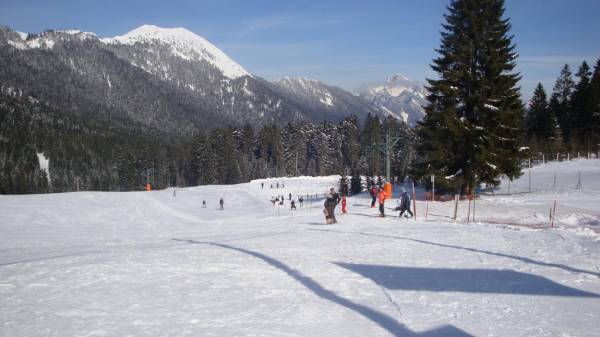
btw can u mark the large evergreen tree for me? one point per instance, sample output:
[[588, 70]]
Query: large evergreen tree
[[472, 131], [560, 102], [595, 93], [582, 103]]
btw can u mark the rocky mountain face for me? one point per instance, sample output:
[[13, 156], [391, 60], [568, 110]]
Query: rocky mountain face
[[399, 96], [327, 101]]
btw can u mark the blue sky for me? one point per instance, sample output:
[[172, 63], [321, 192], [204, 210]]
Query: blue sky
[[339, 42]]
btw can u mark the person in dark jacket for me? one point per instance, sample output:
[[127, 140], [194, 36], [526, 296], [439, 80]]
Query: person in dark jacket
[[300, 200], [405, 204], [331, 200], [221, 203]]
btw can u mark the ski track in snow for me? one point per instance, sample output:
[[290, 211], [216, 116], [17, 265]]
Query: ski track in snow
[[151, 264]]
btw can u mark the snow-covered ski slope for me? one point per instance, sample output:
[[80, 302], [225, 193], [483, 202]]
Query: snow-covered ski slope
[[154, 264]]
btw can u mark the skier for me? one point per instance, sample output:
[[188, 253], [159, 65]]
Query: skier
[[221, 203], [262, 186], [203, 203], [271, 186], [331, 200], [405, 204], [373, 195], [273, 200], [292, 205], [290, 196], [344, 203], [281, 199], [277, 184], [382, 196], [300, 200]]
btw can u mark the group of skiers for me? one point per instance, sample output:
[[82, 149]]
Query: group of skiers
[[379, 194], [332, 199], [262, 185], [221, 204]]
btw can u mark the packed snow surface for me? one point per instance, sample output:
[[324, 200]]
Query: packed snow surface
[[158, 264], [184, 44]]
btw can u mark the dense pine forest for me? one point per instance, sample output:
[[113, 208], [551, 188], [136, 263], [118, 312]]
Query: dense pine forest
[[569, 120]]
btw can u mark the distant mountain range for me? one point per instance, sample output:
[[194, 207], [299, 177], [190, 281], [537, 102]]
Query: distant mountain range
[[172, 82], [399, 96]]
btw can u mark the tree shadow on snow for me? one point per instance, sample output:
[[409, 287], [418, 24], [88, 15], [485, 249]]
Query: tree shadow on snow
[[475, 250], [463, 280], [383, 320]]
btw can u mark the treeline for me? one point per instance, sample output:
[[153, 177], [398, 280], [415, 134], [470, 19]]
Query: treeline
[[234, 155], [570, 120], [85, 154]]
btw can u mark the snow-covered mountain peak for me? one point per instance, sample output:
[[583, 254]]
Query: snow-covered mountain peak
[[185, 44], [399, 95], [397, 78]]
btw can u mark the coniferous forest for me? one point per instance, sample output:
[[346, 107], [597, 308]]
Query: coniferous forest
[[568, 120]]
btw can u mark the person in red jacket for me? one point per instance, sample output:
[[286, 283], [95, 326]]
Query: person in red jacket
[[373, 195], [344, 203], [382, 196]]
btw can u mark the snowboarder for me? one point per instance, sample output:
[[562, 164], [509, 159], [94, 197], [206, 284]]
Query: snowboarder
[[405, 204], [382, 196], [373, 195], [221, 203], [203, 203], [300, 200], [344, 203], [292, 205]]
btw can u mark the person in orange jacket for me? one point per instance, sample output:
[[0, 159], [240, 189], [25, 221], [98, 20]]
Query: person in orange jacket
[[382, 196]]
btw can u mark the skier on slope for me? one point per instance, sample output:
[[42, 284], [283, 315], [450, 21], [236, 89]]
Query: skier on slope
[[331, 200], [300, 200], [221, 203], [373, 195], [382, 196], [405, 204]]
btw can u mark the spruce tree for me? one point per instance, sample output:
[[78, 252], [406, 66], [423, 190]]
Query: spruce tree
[[472, 129], [560, 102], [595, 96], [541, 123], [582, 104]]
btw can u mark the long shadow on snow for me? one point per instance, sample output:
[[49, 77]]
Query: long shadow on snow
[[463, 280], [519, 258], [385, 321]]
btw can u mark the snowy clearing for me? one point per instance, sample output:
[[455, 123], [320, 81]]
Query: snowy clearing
[[155, 264]]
